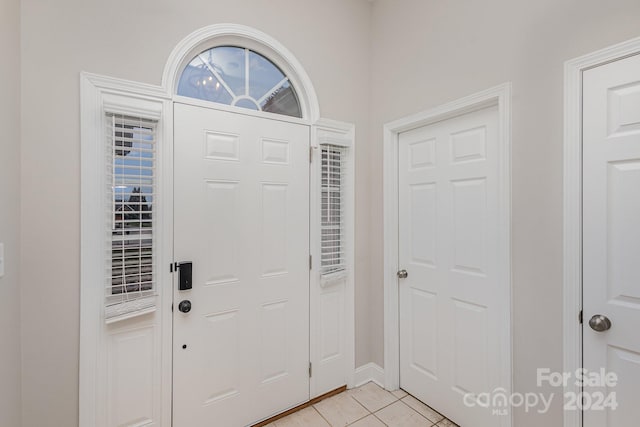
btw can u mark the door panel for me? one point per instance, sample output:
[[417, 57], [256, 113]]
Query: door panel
[[611, 233], [449, 318], [241, 210]]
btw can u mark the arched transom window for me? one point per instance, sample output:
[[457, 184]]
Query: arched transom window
[[240, 77]]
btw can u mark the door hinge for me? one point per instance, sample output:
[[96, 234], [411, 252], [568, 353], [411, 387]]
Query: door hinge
[[580, 317], [310, 262], [310, 154], [310, 370]]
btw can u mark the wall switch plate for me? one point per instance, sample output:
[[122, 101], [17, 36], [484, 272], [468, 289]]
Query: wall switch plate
[[1, 259]]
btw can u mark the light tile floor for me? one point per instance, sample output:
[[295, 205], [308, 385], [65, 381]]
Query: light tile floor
[[366, 406]]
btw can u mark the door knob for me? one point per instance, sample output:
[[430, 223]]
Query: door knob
[[402, 274], [600, 323], [184, 306]]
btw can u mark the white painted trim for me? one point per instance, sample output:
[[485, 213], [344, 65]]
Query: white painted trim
[[367, 373], [572, 217], [391, 297], [90, 322], [341, 134], [240, 35], [500, 96], [98, 96]]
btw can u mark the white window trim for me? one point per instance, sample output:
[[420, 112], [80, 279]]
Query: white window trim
[[500, 96], [240, 35], [124, 306], [326, 131], [236, 98], [572, 217], [99, 96]]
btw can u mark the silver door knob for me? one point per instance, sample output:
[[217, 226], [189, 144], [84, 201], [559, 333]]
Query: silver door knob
[[402, 274], [600, 323]]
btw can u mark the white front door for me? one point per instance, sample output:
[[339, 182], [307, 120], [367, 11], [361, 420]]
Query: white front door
[[450, 306], [241, 212], [611, 237]]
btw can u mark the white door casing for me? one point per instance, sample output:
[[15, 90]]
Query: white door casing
[[611, 234], [449, 303], [573, 207], [242, 217], [332, 316]]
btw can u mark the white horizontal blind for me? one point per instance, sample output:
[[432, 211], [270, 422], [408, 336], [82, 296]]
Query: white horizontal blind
[[333, 263], [130, 251]]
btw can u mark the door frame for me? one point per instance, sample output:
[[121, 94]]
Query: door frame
[[100, 94], [500, 96], [572, 209]]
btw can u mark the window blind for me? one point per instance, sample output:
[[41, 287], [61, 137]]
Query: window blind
[[333, 265], [130, 250]]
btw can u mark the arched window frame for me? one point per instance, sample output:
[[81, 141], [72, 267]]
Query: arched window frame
[[239, 77], [238, 35]]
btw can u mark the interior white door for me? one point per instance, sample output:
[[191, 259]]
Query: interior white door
[[241, 212], [611, 234], [448, 241]]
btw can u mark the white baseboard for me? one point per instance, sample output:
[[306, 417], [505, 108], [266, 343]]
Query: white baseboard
[[369, 372]]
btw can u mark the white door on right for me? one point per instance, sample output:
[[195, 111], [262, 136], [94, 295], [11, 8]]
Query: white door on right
[[450, 302], [611, 237]]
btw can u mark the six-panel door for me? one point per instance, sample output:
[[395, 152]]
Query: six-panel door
[[242, 217], [448, 243], [611, 239]]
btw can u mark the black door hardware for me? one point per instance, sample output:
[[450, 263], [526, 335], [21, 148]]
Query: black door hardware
[[184, 306], [185, 275]]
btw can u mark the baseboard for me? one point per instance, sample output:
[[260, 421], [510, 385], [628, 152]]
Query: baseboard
[[369, 372]]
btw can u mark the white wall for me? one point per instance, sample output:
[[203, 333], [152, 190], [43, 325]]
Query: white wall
[[428, 52], [132, 40], [10, 388]]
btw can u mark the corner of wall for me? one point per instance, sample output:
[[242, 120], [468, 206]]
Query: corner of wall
[[370, 372]]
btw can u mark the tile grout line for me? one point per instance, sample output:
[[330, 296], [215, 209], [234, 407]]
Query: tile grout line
[[356, 400], [377, 418], [321, 416], [386, 406], [365, 408], [428, 420], [386, 391], [374, 413], [440, 420]]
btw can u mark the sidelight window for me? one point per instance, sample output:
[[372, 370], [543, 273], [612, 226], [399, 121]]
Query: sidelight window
[[333, 249], [131, 168]]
